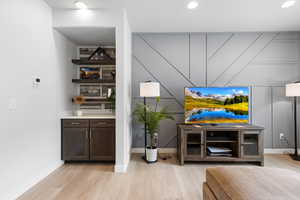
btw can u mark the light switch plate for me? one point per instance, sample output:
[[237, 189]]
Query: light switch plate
[[36, 82], [12, 103]]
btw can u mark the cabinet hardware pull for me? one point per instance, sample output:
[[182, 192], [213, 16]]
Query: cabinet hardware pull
[[75, 123], [91, 146]]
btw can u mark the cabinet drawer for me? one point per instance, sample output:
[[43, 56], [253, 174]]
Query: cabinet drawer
[[75, 123], [102, 123], [251, 132]]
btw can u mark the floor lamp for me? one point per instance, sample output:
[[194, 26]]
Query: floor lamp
[[148, 89], [293, 90]]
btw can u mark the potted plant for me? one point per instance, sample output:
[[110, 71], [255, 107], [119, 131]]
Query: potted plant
[[151, 117]]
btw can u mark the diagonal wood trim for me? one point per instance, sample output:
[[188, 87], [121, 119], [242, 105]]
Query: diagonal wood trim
[[156, 79], [164, 58], [276, 62], [206, 61], [272, 114], [169, 141], [235, 60], [222, 45], [244, 67], [170, 98], [189, 56]]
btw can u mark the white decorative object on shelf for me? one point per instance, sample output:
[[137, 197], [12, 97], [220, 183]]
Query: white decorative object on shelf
[[78, 113]]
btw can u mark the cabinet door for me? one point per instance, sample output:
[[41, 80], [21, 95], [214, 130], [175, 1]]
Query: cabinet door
[[102, 143], [193, 145], [75, 144], [251, 144]]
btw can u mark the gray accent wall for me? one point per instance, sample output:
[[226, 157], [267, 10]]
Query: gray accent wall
[[263, 61]]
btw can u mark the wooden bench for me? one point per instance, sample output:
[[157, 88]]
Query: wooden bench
[[251, 183]]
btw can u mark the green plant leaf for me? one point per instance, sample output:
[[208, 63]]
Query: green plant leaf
[[152, 118]]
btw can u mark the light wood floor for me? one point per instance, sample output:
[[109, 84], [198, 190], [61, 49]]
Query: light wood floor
[[163, 180]]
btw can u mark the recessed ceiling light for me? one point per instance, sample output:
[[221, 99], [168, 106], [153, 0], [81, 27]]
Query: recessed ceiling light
[[80, 5], [192, 5], [288, 4]]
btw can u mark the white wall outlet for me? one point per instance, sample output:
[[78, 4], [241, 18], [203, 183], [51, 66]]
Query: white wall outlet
[[281, 136]]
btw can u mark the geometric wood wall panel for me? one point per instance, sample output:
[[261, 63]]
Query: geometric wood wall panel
[[140, 75], [267, 75], [168, 132], [243, 59], [216, 41], [282, 118], [280, 51], [265, 61], [288, 36], [221, 61], [262, 112], [168, 74], [198, 58], [170, 103], [175, 48]]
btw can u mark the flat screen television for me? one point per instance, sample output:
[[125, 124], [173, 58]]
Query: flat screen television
[[216, 105]]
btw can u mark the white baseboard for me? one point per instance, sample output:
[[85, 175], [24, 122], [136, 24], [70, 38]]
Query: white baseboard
[[174, 150], [160, 150], [279, 151]]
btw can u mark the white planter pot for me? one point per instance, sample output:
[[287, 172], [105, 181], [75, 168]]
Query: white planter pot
[[151, 155]]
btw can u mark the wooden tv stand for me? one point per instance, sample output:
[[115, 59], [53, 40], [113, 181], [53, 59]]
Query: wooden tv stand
[[245, 141]]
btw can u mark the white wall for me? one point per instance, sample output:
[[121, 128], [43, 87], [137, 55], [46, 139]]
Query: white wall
[[124, 140], [87, 18], [110, 18], [266, 61], [30, 134]]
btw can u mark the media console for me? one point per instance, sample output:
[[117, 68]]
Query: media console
[[241, 143]]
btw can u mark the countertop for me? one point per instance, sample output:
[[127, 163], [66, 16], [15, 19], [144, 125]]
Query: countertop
[[104, 116]]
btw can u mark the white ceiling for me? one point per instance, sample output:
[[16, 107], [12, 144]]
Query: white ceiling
[[91, 3], [211, 15], [89, 35]]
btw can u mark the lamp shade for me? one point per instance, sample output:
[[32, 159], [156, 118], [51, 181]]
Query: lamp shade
[[292, 90], [149, 89]]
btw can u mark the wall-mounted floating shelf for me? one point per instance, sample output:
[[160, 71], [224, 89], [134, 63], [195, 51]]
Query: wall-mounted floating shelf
[[93, 62], [95, 78], [92, 100], [92, 81]]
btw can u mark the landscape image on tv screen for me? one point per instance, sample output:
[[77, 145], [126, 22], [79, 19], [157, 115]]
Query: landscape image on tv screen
[[216, 105]]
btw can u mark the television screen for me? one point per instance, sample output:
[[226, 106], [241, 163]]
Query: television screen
[[216, 105]]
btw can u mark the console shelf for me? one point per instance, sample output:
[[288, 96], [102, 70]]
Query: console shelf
[[240, 143], [220, 141], [92, 81], [93, 62], [193, 142]]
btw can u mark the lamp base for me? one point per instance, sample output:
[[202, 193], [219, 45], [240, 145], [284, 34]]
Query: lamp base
[[295, 157]]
